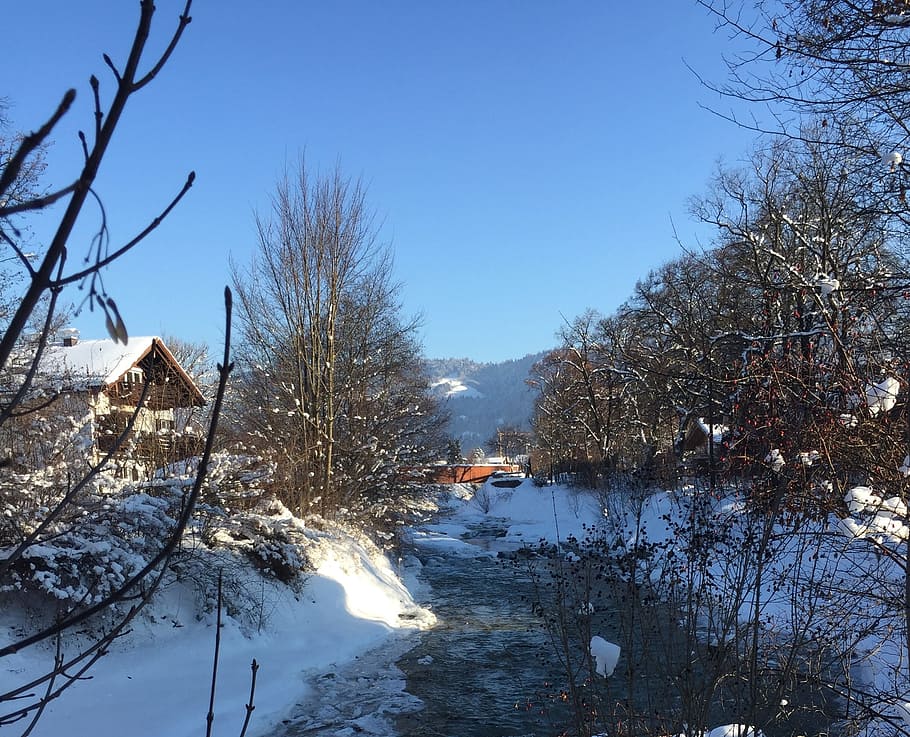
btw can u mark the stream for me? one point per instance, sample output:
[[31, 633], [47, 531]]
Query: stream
[[479, 672], [488, 668]]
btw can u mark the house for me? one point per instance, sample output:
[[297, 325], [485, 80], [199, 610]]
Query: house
[[96, 387], [695, 446]]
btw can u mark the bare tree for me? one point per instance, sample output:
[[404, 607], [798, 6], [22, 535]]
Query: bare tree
[[331, 377], [72, 513], [790, 332], [831, 72], [510, 442]]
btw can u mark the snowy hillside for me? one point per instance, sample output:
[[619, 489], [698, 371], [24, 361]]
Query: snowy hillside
[[447, 388], [483, 396]]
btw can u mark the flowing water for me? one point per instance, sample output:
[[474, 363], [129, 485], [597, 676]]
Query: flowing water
[[479, 672], [488, 669]]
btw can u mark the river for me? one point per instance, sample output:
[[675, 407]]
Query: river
[[490, 667], [479, 672]]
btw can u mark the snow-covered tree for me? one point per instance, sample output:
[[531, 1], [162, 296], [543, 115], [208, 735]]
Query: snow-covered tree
[[331, 382]]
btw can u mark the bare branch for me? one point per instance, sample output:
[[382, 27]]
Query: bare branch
[[254, 667], [184, 21], [32, 141], [37, 203], [102, 262]]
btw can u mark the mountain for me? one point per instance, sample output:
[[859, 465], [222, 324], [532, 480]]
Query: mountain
[[483, 396]]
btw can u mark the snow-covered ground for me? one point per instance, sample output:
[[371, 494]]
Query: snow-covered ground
[[335, 640], [525, 515], [156, 680], [350, 622]]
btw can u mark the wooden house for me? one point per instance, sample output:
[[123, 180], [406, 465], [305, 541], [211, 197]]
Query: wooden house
[[98, 385], [703, 438]]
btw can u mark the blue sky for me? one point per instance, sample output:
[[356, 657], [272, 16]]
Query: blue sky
[[527, 160]]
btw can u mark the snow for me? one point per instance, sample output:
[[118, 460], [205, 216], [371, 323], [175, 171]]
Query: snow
[[848, 420], [733, 730], [449, 387], [605, 654], [904, 468], [526, 515], [882, 397], [852, 564], [355, 602], [100, 362], [861, 499], [156, 680], [894, 159], [356, 613], [719, 430], [807, 458], [885, 518], [775, 459], [826, 284]]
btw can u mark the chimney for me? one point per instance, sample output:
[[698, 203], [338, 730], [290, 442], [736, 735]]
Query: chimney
[[70, 337]]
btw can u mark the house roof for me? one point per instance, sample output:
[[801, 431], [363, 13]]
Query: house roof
[[97, 364], [719, 430]]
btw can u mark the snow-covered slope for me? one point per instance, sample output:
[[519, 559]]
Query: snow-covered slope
[[155, 680], [447, 388]]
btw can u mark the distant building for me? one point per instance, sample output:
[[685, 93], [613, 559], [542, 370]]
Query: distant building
[[458, 473], [702, 438]]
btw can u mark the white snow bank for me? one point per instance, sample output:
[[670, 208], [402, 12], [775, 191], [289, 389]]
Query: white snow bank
[[526, 515], [156, 680]]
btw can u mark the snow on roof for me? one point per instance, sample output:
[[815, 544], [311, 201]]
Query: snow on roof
[[719, 430], [99, 362]]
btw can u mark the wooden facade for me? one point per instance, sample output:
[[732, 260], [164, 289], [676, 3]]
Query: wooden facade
[[100, 384]]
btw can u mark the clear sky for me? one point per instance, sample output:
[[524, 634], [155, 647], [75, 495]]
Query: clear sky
[[528, 160]]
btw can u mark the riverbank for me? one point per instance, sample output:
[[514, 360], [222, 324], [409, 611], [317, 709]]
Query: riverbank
[[156, 679]]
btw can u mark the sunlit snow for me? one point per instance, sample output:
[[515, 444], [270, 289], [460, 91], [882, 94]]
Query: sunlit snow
[[882, 397]]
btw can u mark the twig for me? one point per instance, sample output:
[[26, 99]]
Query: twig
[[210, 717], [184, 21], [58, 663], [254, 667], [37, 203], [93, 653], [102, 262]]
